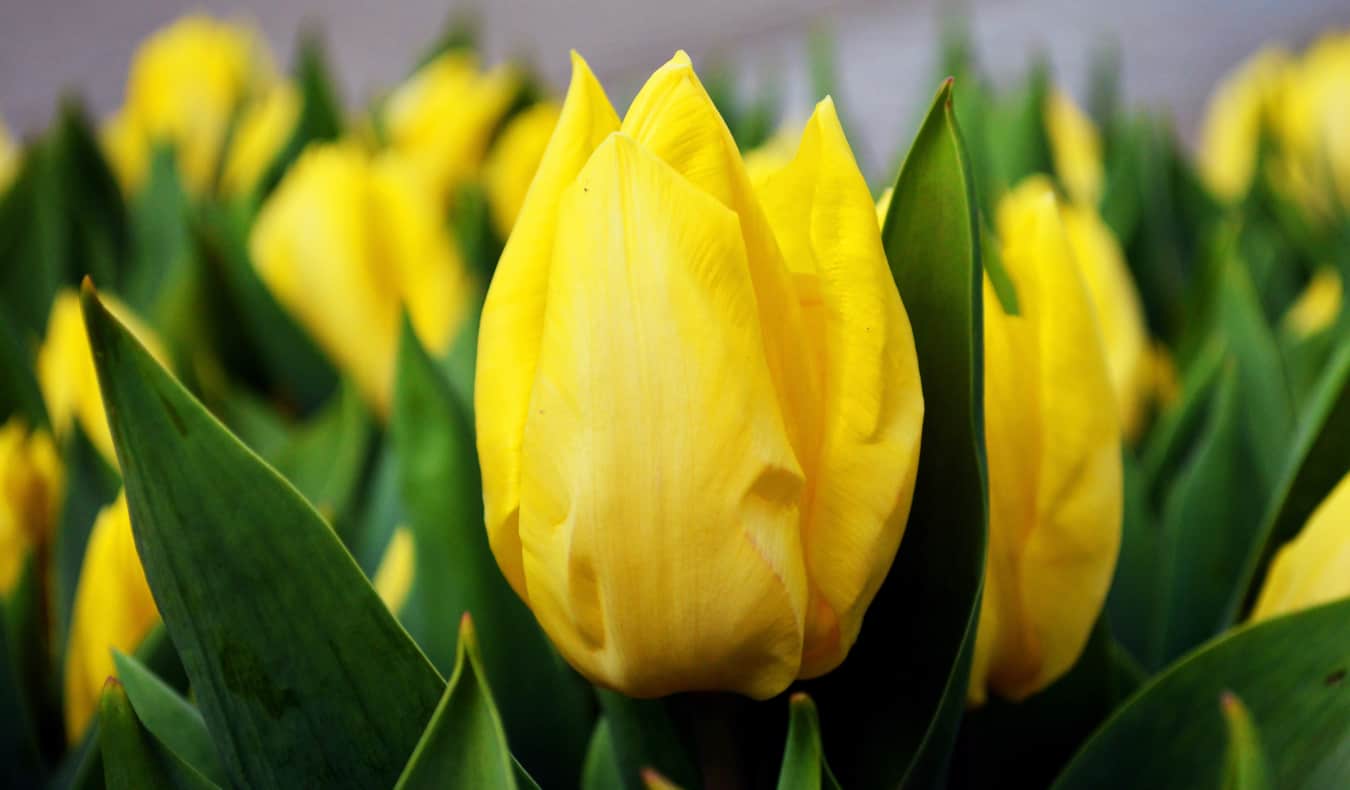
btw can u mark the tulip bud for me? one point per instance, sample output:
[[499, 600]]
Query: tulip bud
[[31, 483], [1314, 567], [113, 609], [1053, 443], [9, 158], [1313, 130], [346, 242], [510, 167], [697, 403], [1075, 148], [442, 119], [1238, 113], [66, 374]]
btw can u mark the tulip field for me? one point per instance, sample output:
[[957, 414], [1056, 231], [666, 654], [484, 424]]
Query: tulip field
[[491, 435]]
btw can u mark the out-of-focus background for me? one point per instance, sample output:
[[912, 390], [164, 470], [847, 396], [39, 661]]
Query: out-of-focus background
[[1171, 51]]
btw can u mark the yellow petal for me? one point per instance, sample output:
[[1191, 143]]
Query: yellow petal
[[31, 487], [113, 609], [859, 495], [263, 128], [659, 497], [9, 158], [1317, 307], [1314, 567], [393, 579], [1075, 148], [1234, 118], [128, 152], [513, 314], [1053, 443], [514, 158]]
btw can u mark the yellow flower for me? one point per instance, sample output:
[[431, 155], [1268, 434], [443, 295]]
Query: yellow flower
[[1054, 459], [774, 154], [185, 84], [66, 374], [1238, 112], [442, 119], [346, 242], [1313, 126], [1075, 148], [698, 403], [1317, 307], [1120, 314], [1314, 567], [393, 579], [514, 158], [113, 609], [31, 484], [9, 158], [264, 127]]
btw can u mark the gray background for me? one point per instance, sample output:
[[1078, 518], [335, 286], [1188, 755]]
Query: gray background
[[1173, 50]]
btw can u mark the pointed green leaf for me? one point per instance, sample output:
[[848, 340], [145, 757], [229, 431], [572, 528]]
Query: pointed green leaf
[[1245, 768], [302, 675], [132, 759], [804, 766], [464, 744], [169, 717], [890, 715], [545, 706], [1291, 674], [601, 769], [643, 736]]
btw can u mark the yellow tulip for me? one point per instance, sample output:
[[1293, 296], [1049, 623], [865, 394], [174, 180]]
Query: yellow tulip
[[66, 374], [31, 485], [514, 158], [349, 240], [442, 119], [1239, 111], [1318, 307], [184, 86], [1053, 444], [9, 158], [393, 579], [264, 127], [1119, 311], [698, 403], [774, 154], [1075, 148], [1314, 567], [1313, 126], [113, 609]]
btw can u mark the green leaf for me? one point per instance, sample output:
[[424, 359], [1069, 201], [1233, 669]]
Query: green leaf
[[320, 110], [95, 214], [1017, 140], [132, 759], [890, 715], [464, 744], [302, 675], [162, 267], [178, 725], [1132, 601], [19, 392], [1290, 672], [20, 763], [643, 736], [804, 766], [1245, 768], [33, 240], [601, 769]]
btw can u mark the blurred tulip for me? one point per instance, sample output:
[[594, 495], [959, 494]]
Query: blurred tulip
[[346, 243], [442, 119], [1313, 125], [514, 158], [31, 484], [65, 369], [113, 609], [1053, 442], [1239, 113], [393, 579], [1314, 567], [186, 83], [9, 158], [263, 128], [698, 403], [1318, 307], [1075, 148]]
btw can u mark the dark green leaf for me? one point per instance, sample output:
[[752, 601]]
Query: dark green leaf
[[19, 393], [643, 736], [132, 759], [601, 769], [890, 714], [33, 241], [175, 723], [1289, 671], [804, 766], [162, 267], [20, 763], [321, 110], [300, 671], [1245, 767]]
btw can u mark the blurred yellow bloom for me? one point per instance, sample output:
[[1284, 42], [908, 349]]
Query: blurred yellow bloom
[[1119, 311], [185, 84], [31, 485], [113, 609], [698, 403], [514, 158], [66, 374], [264, 127], [1240, 109], [346, 243], [1314, 567], [1318, 307], [442, 119], [1313, 124], [9, 158], [1075, 148], [393, 579], [1054, 459]]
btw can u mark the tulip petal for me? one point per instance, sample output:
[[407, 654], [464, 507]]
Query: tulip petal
[[1313, 568], [822, 214], [659, 495], [513, 314]]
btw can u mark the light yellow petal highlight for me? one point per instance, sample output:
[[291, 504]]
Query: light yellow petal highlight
[[513, 314], [31, 488], [858, 500], [1075, 148], [113, 609], [1318, 307], [1314, 567], [1053, 443], [1234, 118], [66, 374], [514, 158], [1313, 127], [10, 155], [345, 243], [262, 130], [393, 579], [651, 433]]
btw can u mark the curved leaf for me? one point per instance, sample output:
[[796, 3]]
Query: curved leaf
[[1245, 768], [169, 717], [132, 759], [601, 769]]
